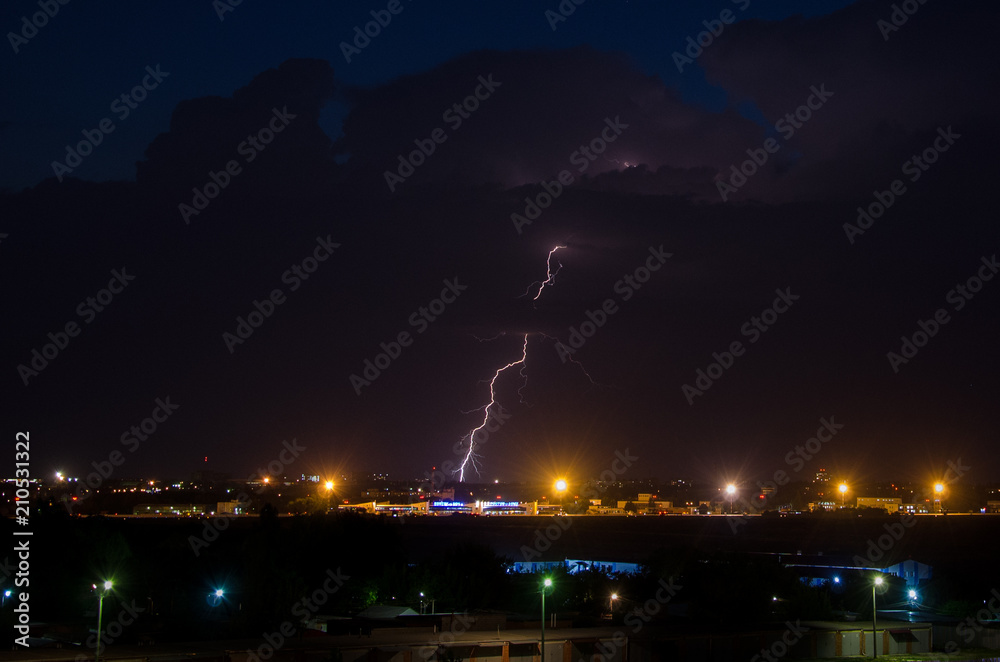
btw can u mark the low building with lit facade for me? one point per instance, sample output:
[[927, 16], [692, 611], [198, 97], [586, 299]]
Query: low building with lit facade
[[889, 504]]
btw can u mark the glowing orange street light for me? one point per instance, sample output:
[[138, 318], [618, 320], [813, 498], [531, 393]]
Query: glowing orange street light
[[843, 493]]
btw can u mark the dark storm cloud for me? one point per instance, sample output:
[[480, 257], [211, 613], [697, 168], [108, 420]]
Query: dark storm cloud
[[893, 86], [547, 104], [208, 132]]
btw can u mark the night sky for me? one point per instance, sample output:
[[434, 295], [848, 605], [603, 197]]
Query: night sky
[[247, 170]]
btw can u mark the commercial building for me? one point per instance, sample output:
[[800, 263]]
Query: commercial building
[[889, 504]]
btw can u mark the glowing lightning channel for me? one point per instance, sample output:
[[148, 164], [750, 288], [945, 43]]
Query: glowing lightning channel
[[470, 455], [550, 276]]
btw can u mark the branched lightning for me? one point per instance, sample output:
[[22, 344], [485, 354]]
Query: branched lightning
[[550, 276], [471, 457], [470, 454]]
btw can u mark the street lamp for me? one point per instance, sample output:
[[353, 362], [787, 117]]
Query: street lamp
[[611, 603], [214, 598], [878, 582], [843, 493], [731, 491], [6, 594], [100, 613], [545, 584]]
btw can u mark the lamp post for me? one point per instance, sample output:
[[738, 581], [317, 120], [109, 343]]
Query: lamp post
[[938, 491], [878, 582], [843, 493], [545, 584], [731, 491], [611, 603], [100, 613]]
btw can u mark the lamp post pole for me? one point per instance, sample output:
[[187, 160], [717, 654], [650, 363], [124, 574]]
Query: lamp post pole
[[542, 648], [100, 613], [877, 582], [545, 584], [874, 631]]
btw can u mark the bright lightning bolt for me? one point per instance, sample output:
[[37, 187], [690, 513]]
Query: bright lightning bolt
[[550, 276], [470, 458], [470, 455]]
